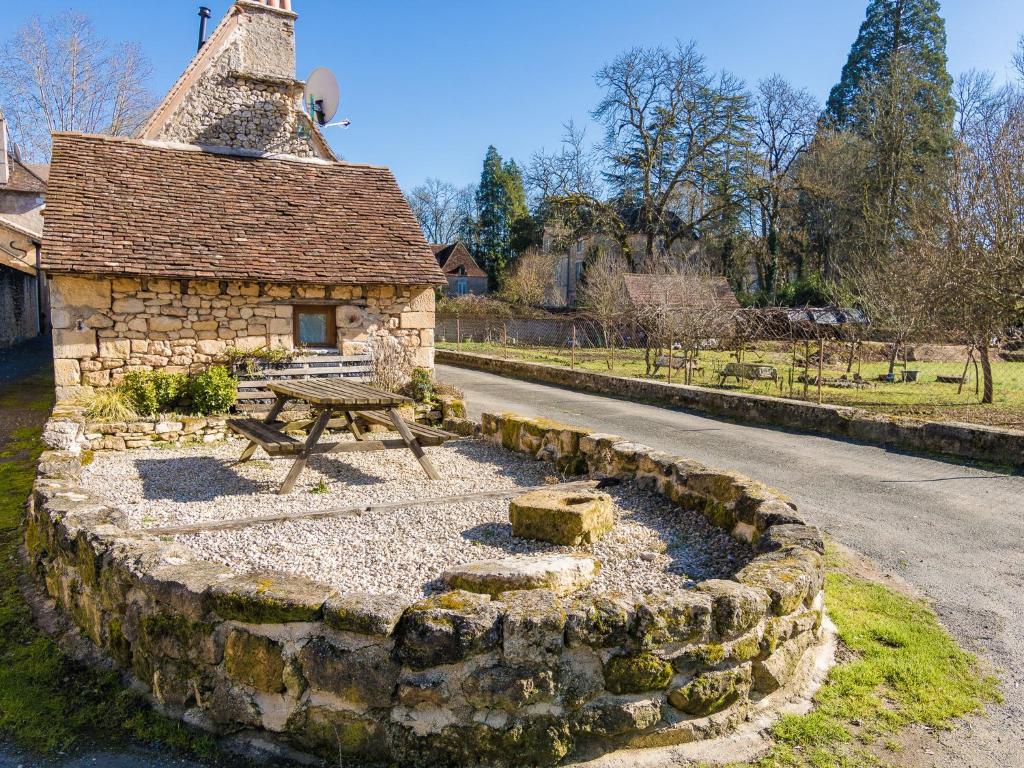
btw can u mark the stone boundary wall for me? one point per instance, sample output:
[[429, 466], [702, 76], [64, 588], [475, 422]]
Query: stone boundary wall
[[965, 441], [104, 327], [457, 678]]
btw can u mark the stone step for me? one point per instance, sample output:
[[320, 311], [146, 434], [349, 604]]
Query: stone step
[[562, 574]]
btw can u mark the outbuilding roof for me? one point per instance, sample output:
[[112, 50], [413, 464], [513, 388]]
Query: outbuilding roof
[[133, 207], [711, 292], [453, 256]]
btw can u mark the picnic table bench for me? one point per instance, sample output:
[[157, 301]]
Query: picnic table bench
[[749, 371], [328, 397]]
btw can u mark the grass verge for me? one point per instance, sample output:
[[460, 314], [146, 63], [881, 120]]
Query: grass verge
[[900, 668], [49, 702]]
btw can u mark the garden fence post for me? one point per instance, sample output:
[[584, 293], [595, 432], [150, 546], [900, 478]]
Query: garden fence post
[[572, 363], [821, 357], [504, 338], [671, 343], [458, 332]]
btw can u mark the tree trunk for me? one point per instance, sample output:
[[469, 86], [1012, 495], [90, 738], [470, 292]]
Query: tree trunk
[[893, 356], [986, 370]]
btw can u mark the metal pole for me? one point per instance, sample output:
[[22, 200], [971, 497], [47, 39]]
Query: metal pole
[[504, 338], [458, 332], [671, 342], [572, 363]]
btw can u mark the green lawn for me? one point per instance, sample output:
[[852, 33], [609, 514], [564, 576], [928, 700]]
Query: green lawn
[[926, 399], [899, 668], [49, 702]]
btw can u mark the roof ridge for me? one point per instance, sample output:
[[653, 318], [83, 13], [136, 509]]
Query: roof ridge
[[212, 149]]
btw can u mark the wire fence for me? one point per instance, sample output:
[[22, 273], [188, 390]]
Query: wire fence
[[805, 354]]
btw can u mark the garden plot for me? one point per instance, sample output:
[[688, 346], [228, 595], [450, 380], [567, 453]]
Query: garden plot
[[654, 545]]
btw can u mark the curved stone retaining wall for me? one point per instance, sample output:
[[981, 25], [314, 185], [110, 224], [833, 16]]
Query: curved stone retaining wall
[[458, 678]]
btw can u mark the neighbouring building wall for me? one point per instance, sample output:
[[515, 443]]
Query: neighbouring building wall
[[19, 307], [107, 326], [461, 285]]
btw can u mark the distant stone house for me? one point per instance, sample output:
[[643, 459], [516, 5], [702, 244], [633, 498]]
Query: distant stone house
[[464, 275], [227, 223], [22, 285]]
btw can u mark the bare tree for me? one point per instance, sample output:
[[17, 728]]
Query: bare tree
[[604, 295], [978, 234], [441, 209], [785, 120], [57, 74], [531, 279]]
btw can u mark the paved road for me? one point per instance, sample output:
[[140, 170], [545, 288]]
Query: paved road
[[955, 532]]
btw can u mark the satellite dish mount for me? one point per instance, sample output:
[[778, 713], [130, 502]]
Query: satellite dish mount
[[322, 96]]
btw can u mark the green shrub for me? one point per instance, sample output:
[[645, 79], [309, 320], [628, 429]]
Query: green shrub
[[169, 388], [421, 386], [212, 391], [153, 392], [140, 390]]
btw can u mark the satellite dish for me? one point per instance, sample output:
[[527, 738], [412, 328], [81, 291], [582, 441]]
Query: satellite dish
[[322, 95]]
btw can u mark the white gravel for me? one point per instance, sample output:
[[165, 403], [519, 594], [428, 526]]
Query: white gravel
[[653, 545]]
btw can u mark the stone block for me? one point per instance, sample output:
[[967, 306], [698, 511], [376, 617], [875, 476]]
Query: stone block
[[507, 688], [365, 676], [416, 320], [68, 291], [66, 373], [204, 325], [265, 597], [611, 716], [341, 734], [777, 670], [255, 661], [790, 535], [673, 617], [737, 607], [789, 576], [533, 627], [128, 306], [422, 300], [447, 628], [115, 348], [636, 673], [560, 517], [602, 622], [62, 318], [126, 284], [73, 344], [712, 691], [96, 378], [364, 613], [562, 574]]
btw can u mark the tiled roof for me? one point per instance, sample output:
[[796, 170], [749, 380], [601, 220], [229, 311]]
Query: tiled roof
[[123, 206], [451, 256], [22, 179], [677, 290]]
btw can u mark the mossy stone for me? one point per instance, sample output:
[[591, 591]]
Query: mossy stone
[[269, 598], [255, 661], [559, 517], [447, 628], [636, 673], [711, 692], [331, 733]]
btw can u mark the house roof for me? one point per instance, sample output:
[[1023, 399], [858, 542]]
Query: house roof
[[27, 223], [125, 206], [22, 178], [451, 256], [714, 292]]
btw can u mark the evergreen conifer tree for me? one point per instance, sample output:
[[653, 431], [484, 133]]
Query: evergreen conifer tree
[[899, 33]]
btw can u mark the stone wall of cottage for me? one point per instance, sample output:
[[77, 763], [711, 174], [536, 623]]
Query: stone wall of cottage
[[248, 98], [104, 327]]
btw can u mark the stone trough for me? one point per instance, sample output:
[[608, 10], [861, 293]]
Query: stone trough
[[512, 665]]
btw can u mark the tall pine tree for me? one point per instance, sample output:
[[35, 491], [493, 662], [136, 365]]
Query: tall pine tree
[[503, 215], [902, 33]]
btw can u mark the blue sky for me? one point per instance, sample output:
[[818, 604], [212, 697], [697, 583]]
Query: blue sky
[[428, 85]]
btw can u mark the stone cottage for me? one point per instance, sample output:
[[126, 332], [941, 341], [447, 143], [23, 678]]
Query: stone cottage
[[219, 229], [464, 275], [22, 287]]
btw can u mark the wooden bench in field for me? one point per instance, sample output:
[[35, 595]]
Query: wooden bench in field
[[676, 363], [748, 372]]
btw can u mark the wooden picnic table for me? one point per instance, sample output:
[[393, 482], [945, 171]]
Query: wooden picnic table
[[328, 397]]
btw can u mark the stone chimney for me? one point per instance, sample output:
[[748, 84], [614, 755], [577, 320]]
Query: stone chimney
[[240, 90]]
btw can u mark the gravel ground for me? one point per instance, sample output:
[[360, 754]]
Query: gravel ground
[[403, 552]]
